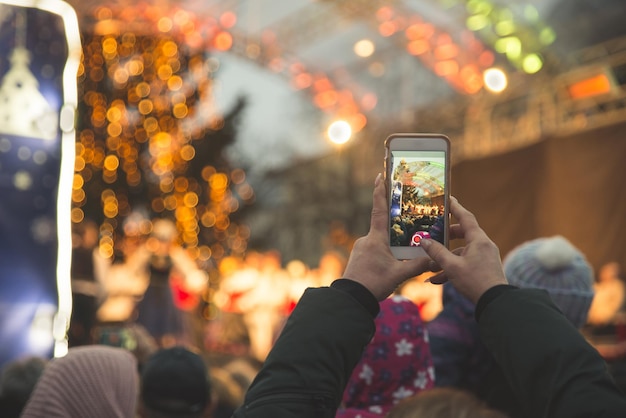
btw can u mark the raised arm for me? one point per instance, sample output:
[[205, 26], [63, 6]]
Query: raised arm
[[553, 371], [308, 368]]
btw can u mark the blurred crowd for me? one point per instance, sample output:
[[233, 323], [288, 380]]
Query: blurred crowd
[[143, 313]]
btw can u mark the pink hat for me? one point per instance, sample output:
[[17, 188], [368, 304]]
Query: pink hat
[[396, 364]]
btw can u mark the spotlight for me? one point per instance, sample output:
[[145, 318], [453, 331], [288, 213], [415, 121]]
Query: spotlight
[[495, 80], [339, 132]]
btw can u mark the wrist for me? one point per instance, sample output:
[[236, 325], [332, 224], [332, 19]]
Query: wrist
[[359, 292], [488, 296]]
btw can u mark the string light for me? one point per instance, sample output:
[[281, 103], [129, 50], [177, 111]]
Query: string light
[[141, 128]]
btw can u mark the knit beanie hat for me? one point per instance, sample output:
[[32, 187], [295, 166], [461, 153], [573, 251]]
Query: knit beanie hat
[[90, 381], [396, 364], [555, 265]]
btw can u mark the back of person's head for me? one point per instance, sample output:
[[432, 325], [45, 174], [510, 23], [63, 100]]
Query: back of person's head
[[175, 383], [17, 382], [555, 265], [396, 364], [443, 403], [89, 381]]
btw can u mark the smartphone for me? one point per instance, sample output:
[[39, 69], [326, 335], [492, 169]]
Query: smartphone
[[417, 174]]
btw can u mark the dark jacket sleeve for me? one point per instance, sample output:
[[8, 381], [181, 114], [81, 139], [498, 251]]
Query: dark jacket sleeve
[[552, 370], [308, 368]]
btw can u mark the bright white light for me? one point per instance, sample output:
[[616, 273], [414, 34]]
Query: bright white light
[[339, 132], [364, 48], [68, 150], [495, 80], [40, 337]]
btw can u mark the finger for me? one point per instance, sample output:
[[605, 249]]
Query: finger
[[467, 220], [439, 278], [379, 221], [433, 266], [456, 231], [415, 267], [458, 251], [437, 252]]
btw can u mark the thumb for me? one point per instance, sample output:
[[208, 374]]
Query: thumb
[[437, 252]]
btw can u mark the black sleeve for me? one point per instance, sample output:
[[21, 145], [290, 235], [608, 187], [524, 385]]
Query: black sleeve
[[360, 293], [489, 296], [308, 368], [551, 368]]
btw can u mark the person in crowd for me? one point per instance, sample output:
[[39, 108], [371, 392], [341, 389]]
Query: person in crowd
[[553, 371], [229, 383], [166, 262], [609, 302], [443, 403], [462, 361], [132, 337], [606, 324], [258, 293], [17, 382], [89, 381], [427, 297], [396, 364], [87, 275], [175, 384]]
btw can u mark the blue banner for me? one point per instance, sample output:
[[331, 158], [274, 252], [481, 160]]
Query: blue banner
[[33, 104]]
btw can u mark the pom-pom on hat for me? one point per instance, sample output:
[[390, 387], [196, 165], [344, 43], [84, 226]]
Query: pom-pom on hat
[[555, 265]]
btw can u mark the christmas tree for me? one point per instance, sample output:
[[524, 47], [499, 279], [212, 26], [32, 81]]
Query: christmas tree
[[150, 142]]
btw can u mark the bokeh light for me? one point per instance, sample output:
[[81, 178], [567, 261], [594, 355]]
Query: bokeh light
[[339, 132], [364, 48], [495, 80]]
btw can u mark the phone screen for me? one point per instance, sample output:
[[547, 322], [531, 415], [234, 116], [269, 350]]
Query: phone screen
[[417, 197]]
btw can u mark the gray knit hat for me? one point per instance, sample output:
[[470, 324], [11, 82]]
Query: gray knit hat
[[90, 381], [555, 265]]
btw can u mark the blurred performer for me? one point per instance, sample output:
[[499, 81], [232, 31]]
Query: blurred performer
[[610, 296], [264, 304], [165, 261], [259, 291], [86, 276]]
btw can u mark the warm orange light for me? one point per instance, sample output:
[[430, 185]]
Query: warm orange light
[[223, 41], [446, 52], [322, 84], [592, 86], [165, 24], [446, 68], [387, 28], [358, 122], [228, 20], [418, 47], [486, 59], [302, 81], [325, 99], [384, 13], [369, 101], [276, 64], [419, 31]]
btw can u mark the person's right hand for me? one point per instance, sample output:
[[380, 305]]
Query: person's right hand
[[472, 269]]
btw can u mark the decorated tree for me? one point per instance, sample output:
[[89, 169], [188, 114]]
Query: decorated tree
[[151, 143]]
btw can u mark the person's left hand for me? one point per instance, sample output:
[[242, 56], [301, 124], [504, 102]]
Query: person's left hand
[[371, 262]]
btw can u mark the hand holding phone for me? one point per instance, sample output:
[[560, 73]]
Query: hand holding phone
[[417, 170]]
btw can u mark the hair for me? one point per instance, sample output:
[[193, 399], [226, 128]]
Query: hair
[[147, 412], [17, 382], [443, 403]]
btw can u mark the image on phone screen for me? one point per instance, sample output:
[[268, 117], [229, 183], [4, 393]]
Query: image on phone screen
[[417, 197]]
